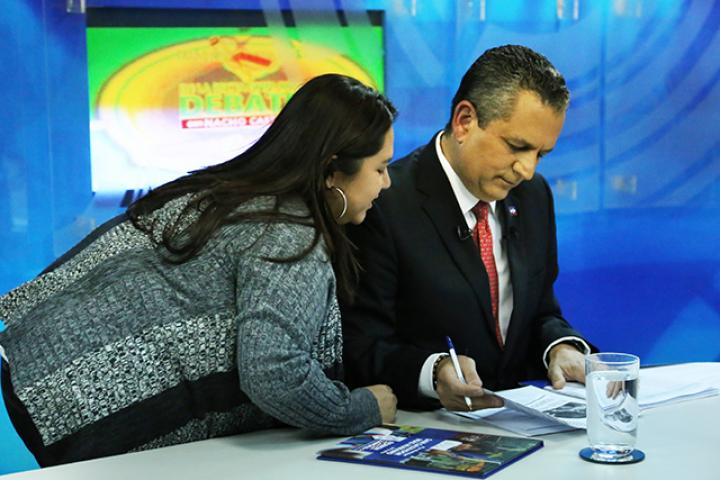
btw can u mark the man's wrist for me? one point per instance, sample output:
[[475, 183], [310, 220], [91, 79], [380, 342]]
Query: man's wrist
[[425, 380], [436, 368], [575, 342], [571, 343]]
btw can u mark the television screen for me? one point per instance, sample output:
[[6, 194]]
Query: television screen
[[175, 91]]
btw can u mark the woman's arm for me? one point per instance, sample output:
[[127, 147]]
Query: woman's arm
[[280, 310]]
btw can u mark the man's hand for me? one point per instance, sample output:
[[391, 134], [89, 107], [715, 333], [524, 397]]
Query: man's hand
[[566, 363], [452, 391]]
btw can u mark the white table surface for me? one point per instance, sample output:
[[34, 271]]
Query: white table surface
[[681, 441]]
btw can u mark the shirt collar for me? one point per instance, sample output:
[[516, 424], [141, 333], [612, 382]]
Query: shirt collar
[[465, 199]]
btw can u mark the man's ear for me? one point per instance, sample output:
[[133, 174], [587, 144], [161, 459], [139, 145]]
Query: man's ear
[[464, 117]]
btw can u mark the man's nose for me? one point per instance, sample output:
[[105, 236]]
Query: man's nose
[[526, 164]]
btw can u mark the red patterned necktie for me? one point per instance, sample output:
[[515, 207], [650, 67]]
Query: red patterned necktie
[[484, 240]]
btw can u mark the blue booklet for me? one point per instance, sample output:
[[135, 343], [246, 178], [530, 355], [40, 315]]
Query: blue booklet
[[469, 454]]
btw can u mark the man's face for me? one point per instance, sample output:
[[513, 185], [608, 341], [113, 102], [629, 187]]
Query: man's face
[[493, 160]]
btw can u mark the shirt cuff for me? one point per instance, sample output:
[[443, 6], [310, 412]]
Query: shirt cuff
[[577, 341], [425, 382]]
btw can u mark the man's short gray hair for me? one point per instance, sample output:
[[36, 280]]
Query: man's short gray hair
[[493, 82]]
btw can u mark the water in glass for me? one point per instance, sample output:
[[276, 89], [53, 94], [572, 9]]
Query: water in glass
[[612, 412]]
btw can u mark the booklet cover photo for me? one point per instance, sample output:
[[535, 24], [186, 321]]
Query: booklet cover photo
[[476, 455]]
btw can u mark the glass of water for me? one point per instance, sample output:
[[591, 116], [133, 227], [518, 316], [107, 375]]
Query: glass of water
[[611, 381]]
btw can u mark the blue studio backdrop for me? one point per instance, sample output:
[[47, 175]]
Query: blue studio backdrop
[[635, 173]]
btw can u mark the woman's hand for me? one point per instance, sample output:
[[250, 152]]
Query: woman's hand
[[386, 400]]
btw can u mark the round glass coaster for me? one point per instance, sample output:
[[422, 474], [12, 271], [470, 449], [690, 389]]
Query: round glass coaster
[[634, 457]]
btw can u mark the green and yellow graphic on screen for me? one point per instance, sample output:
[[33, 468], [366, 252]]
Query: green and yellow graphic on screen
[[166, 101]]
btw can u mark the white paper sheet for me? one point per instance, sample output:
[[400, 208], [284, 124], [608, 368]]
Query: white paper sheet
[[535, 411], [668, 384]]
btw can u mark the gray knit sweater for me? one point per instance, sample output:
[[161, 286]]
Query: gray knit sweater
[[118, 350]]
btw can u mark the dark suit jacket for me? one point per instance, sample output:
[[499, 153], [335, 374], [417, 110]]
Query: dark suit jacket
[[423, 281]]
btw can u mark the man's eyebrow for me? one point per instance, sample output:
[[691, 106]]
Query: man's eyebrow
[[522, 143], [519, 142]]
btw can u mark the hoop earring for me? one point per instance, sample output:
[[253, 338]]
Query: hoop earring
[[344, 200]]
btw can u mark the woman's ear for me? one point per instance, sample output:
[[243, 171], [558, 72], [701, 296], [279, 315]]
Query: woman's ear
[[331, 178], [330, 181]]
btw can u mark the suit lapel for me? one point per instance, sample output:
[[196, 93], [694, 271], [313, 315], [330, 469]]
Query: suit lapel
[[510, 216], [447, 217]]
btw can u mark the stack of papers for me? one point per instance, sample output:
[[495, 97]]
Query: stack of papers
[[535, 411], [667, 385]]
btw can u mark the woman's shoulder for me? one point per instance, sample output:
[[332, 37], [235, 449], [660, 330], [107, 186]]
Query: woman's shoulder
[[288, 233], [292, 206]]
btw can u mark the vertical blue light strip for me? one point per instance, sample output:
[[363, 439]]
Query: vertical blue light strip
[[602, 127]]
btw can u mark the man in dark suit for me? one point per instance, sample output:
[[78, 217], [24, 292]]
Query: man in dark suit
[[463, 245]]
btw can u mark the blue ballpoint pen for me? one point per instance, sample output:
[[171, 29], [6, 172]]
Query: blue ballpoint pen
[[456, 364]]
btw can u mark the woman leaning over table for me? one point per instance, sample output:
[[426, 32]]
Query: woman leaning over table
[[209, 308]]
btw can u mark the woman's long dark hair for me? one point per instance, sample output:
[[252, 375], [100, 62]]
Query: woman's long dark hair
[[328, 125]]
